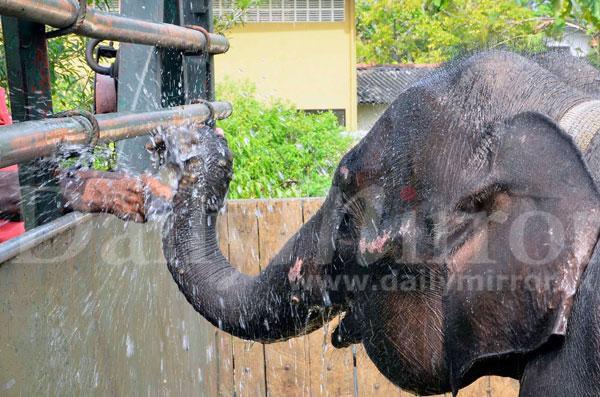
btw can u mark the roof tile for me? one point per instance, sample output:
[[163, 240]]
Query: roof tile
[[383, 83]]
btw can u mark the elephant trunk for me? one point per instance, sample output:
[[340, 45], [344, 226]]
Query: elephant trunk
[[274, 305]]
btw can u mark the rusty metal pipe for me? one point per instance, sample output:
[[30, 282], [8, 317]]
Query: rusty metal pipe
[[28, 140], [107, 26], [58, 13], [103, 25]]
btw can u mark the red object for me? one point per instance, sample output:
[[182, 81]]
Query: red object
[[106, 94], [408, 194], [8, 230]]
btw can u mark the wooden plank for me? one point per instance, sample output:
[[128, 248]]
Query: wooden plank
[[491, 386], [225, 376], [310, 206], [224, 341], [480, 388], [287, 363], [331, 369], [370, 382], [278, 221], [248, 357], [504, 387], [287, 367]]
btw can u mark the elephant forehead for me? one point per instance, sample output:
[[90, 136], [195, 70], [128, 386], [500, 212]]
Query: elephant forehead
[[361, 166], [445, 162]]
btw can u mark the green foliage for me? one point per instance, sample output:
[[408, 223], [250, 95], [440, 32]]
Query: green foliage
[[581, 14], [279, 151], [433, 6], [72, 80], [391, 31], [585, 11]]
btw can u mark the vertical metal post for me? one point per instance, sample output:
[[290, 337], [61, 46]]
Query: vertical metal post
[[139, 83], [31, 98], [151, 78], [198, 72], [172, 63]]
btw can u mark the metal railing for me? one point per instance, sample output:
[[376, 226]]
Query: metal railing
[[103, 25], [32, 139], [29, 140], [183, 32]]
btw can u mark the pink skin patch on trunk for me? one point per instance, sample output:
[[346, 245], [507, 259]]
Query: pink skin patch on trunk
[[294, 273], [344, 172], [374, 246]]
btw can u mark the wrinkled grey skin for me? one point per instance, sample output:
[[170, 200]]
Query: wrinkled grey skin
[[431, 195], [571, 70]]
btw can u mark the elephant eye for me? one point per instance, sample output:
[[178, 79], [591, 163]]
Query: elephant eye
[[482, 201], [473, 204], [353, 213], [346, 220], [347, 223]]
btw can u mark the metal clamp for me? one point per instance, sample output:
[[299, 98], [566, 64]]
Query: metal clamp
[[204, 32], [210, 122], [94, 134], [73, 27]]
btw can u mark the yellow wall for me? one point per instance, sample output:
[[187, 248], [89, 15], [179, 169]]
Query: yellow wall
[[311, 64]]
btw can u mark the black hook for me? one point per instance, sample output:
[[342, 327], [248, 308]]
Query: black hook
[[89, 58]]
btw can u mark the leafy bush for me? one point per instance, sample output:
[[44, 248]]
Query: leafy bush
[[279, 151]]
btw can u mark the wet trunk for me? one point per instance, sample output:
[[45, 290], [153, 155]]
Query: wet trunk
[[274, 305]]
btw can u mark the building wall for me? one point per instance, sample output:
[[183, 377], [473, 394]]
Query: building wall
[[577, 42], [368, 114], [312, 64]]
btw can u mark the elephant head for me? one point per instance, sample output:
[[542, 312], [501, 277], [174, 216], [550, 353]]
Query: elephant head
[[454, 236]]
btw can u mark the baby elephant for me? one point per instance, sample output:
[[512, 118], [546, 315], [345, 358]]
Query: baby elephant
[[458, 237]]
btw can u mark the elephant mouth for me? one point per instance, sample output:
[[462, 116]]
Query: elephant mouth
[[347, 332]]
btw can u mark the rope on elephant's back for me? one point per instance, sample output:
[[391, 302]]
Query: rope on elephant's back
[[582, 122]]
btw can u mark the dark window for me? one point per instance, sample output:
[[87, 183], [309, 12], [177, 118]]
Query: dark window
[[340, 114]]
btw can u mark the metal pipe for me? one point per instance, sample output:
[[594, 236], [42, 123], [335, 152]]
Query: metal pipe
[[34, 237], [28, 140], [107, 26], [58, 13], [103, 25]]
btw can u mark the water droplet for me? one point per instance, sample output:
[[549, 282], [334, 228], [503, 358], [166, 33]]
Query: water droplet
[[130, 346]]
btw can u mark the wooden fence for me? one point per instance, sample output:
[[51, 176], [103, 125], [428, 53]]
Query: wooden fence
[[251, 232]]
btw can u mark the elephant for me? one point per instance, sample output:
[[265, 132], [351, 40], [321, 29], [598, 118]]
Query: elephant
[[571, 70], [458, 238]]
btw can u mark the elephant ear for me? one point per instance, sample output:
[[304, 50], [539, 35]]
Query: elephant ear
[[511, 285]]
